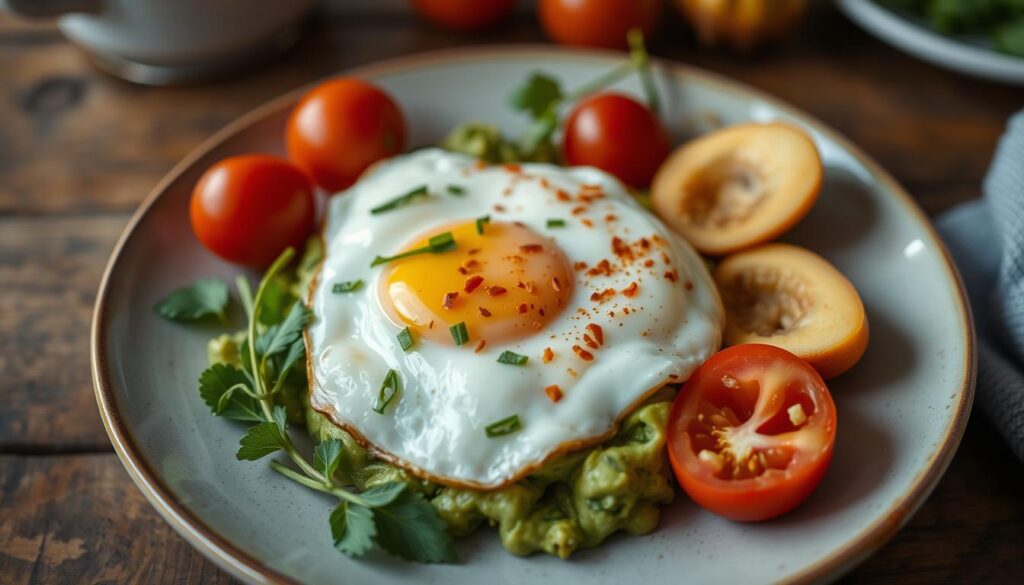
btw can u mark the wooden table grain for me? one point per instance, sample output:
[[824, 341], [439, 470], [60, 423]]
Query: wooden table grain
[[80, 149]]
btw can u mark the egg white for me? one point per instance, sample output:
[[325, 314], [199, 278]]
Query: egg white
[[435, 427]]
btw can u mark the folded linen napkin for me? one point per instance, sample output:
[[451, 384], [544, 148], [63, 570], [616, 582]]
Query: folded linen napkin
[[986, 239]]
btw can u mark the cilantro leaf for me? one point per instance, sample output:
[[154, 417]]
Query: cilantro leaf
[[326, 456], [409, 527], [353, 529], [281, 418], [383, 494], [277, 298], [537, 95], [260, 441], [279, 337], [220, 387], [206, 297]]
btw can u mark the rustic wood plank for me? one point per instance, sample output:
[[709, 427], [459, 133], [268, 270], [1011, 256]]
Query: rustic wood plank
[[50, 269], [80, 520]]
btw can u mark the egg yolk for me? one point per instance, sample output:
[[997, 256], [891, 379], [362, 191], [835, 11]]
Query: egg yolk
[[505, 283]]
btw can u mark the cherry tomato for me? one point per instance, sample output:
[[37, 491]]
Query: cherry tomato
[[465, 15], [248, 209], [751, 433], [597, 23], [617, 134], [342, 127]]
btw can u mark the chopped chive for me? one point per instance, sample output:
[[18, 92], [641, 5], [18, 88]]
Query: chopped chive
[[556, 223], [481, 222], [435, 245], [405, 339], [402, 200], [347, 286], [456, 190], [505, 426], [388, 391], [459, 334], [512, 359]]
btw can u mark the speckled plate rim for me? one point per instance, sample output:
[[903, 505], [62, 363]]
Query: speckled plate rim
[[230, 557]]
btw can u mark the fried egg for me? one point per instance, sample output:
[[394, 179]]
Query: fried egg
[[515, 313]]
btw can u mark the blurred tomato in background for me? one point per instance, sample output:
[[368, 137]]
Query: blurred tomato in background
[[598, 23], [465, 15]]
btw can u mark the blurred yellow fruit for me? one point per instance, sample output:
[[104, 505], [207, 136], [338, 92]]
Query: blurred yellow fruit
[[742, 24]]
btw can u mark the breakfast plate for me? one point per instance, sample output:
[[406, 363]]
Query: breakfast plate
[[901, 410], [970, 56]]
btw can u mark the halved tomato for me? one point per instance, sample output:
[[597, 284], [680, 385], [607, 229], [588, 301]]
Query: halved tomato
[[751, 433]]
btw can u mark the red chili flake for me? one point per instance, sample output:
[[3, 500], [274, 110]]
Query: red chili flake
[[473, 251], [472, 283], [547, 356], [630, 291], [495, 291], [583, 354], [499, 208], [603, 295], [480, 165], [507, 191], [531, 288], [688, 285], [665, 258], [541, 311], [622, 249], [586, 222], [561, 195], [512, 167], [544, 184], [553, 392], [598, 333], [611, 217], [645, 243], [649, 262], [531, 248], [580, 265], [483, 312], [603, 267], [571, 372], [611, 313], [449, 299], [578, 210], [470, 265], [591, 343], [671, 275], [657, 239], [431, 324], [521, 308], [625, 311], [537, 325], [480, 346], [555, 284], [519, 223]]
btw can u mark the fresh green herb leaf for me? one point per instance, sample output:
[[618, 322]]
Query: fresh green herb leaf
[[277, 298], [459, 333], [206, 297], [353, 529], [382, 494], [456, 190], [512, 359], [281, 418], [347, 286], [538, 95], [556, 223], [539, 133], [294, 354], [440, 243], [410, 528], [402, 200], [226, 390], [388, 391], [405, 339], [280, 337], [326, 456], [481, 222], [260, 441], [505, 426]]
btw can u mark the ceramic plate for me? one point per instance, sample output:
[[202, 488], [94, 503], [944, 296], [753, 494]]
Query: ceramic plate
[[901, 410], [974, 57]]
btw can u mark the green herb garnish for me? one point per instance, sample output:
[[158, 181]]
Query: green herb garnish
[[388, 516], [402, 200], [456, 190], [459, 334], [440, 243], [512, 359], [405, 339], [505, 426], [347, 286], [556, 223], [481, 222], [388, 391], [206, 297]]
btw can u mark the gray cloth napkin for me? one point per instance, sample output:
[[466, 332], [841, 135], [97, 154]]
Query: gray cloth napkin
[[986, 239]]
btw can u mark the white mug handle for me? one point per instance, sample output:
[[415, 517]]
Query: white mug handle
[[48, 8]]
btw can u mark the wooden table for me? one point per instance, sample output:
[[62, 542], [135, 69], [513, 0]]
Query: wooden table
[[79, 150]]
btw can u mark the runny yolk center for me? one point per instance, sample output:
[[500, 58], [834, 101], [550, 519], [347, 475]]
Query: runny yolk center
[[506, 283]]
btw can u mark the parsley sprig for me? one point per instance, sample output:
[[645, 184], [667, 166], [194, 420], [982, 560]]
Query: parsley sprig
[[387, 515]]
